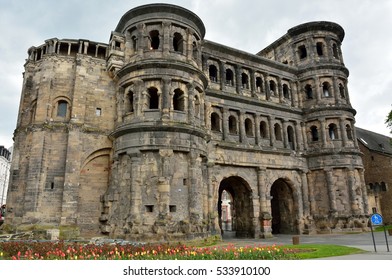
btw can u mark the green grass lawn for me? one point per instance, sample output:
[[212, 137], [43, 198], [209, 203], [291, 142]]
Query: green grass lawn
[[314, 251], [381, 228]]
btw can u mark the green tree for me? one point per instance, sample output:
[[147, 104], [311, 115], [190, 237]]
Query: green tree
[[388, 121]]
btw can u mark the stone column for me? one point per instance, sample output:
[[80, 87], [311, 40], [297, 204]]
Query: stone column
[[166, 38], [317, 88], [211, 209], [312, 200], [272, 131], [336, 90], [265, 211], [331, 190], [346, 92], [364, 191], [225, 123], [141, 40], [343, 132], [166, 99], [257, 130], [267, 88], [305, 193], [285, 134], [238, 82], [191, 106], [280, 90], [323, 132], [304, 135], [222, 73], [252, 82], [299, 94], [242, 127], [355, 140], [298, 136], [351, 189], [135, 189], [138, 97]]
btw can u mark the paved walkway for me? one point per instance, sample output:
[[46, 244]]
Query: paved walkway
[[362, 241]]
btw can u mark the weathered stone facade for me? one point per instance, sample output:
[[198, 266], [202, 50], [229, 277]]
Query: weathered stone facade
[[138, 138]]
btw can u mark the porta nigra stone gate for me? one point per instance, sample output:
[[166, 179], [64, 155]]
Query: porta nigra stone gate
[[142, 137]]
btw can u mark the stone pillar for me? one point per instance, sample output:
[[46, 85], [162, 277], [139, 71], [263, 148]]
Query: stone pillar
[[141, 40], [304, 136], [191, 105], [238, 80], [351, 189], [211, 209], [317, 88], [267, 88], [280, 90], [136, 189], [285, 134], [343, 132], [265, 211], [272, 131], [336, 90], [166, 38], [166, 99], [305, 193], [331, 190], [298, 136], [347, 95], [188, 44], [257, 130], [364, 192], [222, 73], [163, 196], [225, 123], [252, 82], [355, 140], [323, 132], [312, 200], [299, 95], [242, 127]]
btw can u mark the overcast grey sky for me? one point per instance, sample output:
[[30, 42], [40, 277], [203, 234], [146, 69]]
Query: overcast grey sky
[[248, 25]]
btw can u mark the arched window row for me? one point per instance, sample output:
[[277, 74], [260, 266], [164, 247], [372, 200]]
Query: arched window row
[[230, 76], [61, 109], [151, 98], [71, 48], [327, 89], [153, 38], [332, 131], [321, 49], [237, 126]]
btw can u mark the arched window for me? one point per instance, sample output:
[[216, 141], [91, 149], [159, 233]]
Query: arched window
[[154, 39], [286, 92], [248, 127], [178, 43], [272, 87], [302, 52], [215, 122], [290, 136], [278, 132], [245, 81], [309, 91], [342, 91], [178, 100], [314, 133], [129, 101], [320, 48], [326, 89], [229, 77], [233, 125], [259, 84], [213, 72], [62, 108], [153, 98], [333, 131], [263, 129], [335, 51], [349, 132]]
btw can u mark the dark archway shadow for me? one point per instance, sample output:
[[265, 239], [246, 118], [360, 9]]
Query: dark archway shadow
[[283, 208], [235, 193]]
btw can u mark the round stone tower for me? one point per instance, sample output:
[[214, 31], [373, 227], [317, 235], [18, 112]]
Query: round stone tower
[[159, 137]]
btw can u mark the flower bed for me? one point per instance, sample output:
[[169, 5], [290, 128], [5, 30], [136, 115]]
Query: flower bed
[[74, 251]]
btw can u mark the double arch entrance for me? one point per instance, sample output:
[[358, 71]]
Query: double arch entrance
[[236, 209]]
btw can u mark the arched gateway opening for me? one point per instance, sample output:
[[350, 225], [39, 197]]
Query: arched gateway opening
[[235, 207], [283, 208]]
